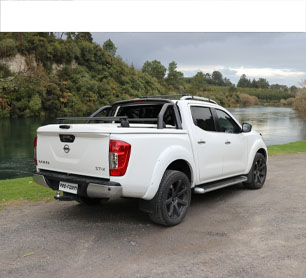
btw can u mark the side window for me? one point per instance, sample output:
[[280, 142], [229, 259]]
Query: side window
[[202, 117], [226, 123]]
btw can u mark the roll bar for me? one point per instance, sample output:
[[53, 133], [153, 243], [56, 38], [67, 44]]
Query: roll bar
[[125, 121]]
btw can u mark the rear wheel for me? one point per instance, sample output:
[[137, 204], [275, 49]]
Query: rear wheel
[[172, 199], [258, 173]]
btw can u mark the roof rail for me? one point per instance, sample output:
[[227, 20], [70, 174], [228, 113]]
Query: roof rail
[[197, 98], [182, 97], [164, 96]]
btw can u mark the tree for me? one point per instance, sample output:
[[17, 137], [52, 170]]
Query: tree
[[199, 81], [232, 89], [83, 36], [293, 89], [71, 35], [7, 48], [35, 105], [262, 83], [155, 69], [279, 87], [217, 78], [174, 77], [227, 82], [244, 82], [109, 47], [254, 83]]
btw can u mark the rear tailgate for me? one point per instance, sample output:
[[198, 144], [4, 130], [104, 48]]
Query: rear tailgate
[[87, 153]]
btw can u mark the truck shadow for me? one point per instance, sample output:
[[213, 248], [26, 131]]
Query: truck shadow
[[127, 211]]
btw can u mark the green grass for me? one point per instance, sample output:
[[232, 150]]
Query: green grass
[[290, 148], [23, 189]]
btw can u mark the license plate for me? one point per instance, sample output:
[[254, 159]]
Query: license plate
[[68, 187]]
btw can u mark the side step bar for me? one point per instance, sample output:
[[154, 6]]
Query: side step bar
[[204, 188]]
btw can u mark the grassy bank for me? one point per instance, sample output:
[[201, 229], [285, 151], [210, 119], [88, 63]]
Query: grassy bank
[[22, 189], [290, 148], [25, 189]]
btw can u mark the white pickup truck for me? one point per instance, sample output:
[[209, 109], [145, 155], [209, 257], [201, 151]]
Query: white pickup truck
[[156, 149]]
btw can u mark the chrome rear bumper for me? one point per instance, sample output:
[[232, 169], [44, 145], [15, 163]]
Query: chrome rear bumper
[[106, 189]]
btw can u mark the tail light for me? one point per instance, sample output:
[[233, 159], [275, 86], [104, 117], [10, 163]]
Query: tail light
[[35, 150], [119, 155]]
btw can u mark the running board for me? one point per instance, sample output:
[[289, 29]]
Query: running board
[[204, 188]]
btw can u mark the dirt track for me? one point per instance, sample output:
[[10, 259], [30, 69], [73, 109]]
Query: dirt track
[[232, 232]]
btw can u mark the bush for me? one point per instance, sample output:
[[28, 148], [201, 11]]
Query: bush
[[247, 100], [7, 48], [300, 102], [4, 71]]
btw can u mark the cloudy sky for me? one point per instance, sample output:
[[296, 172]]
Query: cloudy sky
[[278, 57]]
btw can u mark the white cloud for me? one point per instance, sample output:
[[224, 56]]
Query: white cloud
[[249, 72], [267, 72], [207, 68], [283, 76]]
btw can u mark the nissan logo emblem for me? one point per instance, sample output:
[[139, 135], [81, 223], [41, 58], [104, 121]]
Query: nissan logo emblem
[[66, 149]]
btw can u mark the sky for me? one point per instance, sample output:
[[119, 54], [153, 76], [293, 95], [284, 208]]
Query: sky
[[278, 57]]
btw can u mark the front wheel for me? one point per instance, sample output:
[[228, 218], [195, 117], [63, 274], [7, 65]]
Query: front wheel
[[172, 199], [258, 173]]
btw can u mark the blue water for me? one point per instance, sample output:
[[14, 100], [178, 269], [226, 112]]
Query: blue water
[[278, 125]]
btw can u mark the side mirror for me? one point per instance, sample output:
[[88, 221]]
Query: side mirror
[[246, 127]]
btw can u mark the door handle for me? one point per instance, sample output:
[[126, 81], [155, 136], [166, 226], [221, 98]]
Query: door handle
[[201, 142], [227, 142]]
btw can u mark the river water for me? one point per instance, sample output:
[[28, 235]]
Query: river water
[[278, 125]]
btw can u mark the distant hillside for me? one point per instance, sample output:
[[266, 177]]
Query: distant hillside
[[43, 75]]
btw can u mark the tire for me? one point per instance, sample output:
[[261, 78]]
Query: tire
[[172, 199], [258, 173]]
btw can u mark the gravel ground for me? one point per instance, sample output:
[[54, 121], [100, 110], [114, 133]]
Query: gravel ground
[[232, 232]]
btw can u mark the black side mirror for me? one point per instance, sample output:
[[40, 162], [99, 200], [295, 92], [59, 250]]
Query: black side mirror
[[246, 127]]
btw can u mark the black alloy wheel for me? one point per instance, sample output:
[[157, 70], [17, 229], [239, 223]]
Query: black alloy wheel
[[177, 200], [258, 173], [172, 199]]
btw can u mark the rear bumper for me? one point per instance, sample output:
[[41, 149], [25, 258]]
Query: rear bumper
[[87, 186]]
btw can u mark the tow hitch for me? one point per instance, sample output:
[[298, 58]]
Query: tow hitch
[[64, 197]]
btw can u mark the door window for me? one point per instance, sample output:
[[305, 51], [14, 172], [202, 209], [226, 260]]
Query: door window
[[203, 118], [226, 123]]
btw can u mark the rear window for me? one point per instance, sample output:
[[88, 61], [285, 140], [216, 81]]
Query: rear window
[[141, 111]]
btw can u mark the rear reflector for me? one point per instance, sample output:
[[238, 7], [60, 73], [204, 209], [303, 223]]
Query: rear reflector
[[119, 155], [35, 150]]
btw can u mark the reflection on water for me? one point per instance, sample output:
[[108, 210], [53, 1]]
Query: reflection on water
[[16, 146], [278, 125]]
